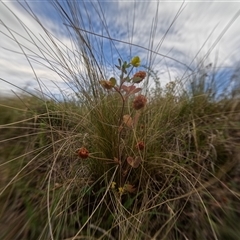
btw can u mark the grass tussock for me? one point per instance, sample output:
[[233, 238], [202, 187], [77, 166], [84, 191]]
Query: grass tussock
[[119, 161]]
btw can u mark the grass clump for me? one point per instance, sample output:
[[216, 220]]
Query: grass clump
[[141, 166], [119, 161]]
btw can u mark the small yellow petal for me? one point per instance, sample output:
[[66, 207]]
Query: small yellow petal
[[113, 186], [136, 61], [121, 190]]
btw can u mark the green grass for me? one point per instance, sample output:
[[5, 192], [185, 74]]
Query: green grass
[[186, 186]]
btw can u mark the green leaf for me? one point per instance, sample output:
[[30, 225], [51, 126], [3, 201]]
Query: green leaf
[[127, 79], [120, 62], [128, 203], [125, 65], [137, 79], [113, 81], [118, 67]]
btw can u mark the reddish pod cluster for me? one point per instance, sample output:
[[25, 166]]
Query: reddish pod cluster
[[141, 75], [139, 102], [83, 153], [140, 145]]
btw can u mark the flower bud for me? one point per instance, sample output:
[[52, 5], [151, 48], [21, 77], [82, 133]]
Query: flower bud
[[107, 84], [121, 190], [113, 185], [136, 61]]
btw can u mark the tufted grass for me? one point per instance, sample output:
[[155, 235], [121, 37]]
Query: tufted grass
[[186, 186]]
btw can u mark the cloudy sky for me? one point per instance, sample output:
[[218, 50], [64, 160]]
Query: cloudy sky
[[180, 34]]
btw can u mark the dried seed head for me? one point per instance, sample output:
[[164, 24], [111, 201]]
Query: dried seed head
[[139, 102], [139, 76], [83, 153], [140, 145]]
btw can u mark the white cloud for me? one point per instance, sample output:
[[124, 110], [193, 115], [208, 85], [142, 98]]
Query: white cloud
[[27, 55], [126, 21]]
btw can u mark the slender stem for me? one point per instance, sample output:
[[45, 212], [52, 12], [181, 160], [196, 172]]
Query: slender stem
[[119, 135], [122, 80]]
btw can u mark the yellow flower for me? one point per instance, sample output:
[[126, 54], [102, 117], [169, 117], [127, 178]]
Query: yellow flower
[[136, 61], [121, 190], [113, 185]]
